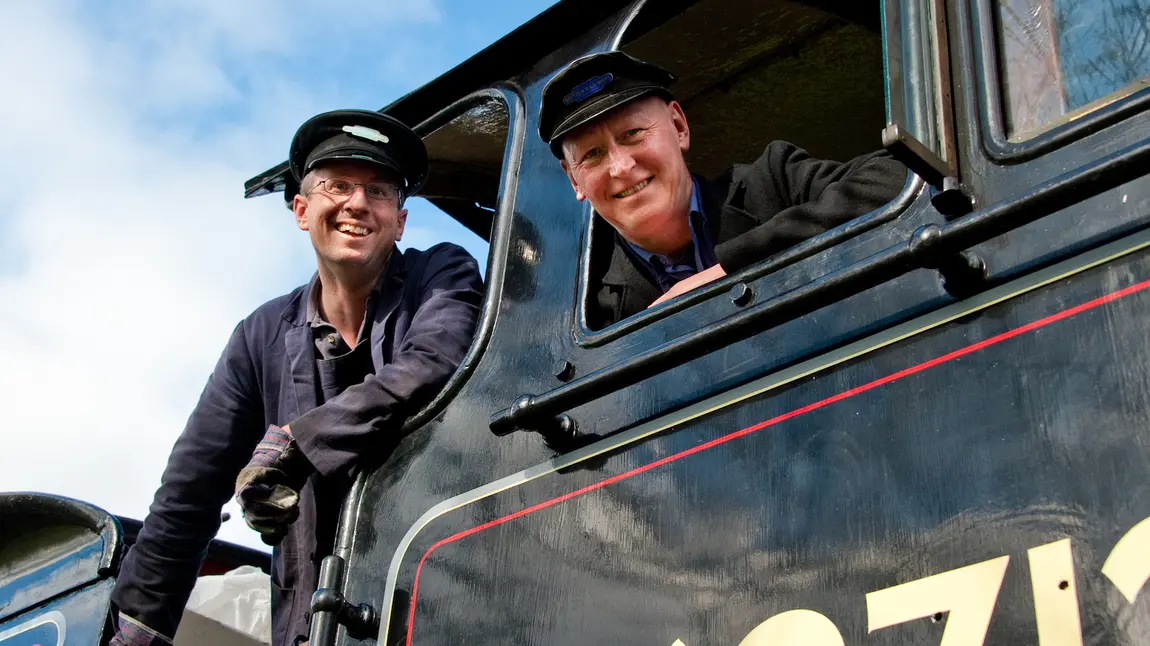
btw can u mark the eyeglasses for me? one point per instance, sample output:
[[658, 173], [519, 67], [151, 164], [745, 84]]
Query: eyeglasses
[[343, 188]]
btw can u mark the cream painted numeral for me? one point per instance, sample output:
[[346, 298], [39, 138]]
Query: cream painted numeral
[[795, 628], [792, 628], [1055, 594], [1128, 566], [968, 593]]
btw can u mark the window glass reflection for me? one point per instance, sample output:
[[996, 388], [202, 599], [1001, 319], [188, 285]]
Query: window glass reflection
[[465, 158], [1063, 58]]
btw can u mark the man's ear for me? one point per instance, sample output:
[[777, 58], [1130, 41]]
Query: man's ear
[[401, 221], [299, 208], [571, 178], [679, 120]]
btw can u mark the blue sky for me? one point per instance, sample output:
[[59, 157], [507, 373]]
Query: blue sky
[[127, 253]]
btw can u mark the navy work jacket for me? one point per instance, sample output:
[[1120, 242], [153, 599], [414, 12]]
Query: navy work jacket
[[423, 321]]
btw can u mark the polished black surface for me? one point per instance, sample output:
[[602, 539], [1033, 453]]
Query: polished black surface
[[1037, 437], [930, 246], [1016, 423], [817, 493]]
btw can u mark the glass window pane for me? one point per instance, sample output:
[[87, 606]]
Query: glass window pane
[[1063, 58], [466, 164]]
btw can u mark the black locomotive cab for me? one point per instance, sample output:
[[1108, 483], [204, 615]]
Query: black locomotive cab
[[926, 425]]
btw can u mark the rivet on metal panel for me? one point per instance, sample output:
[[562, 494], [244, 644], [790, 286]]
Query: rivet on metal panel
[[742, 294], [563, 370]]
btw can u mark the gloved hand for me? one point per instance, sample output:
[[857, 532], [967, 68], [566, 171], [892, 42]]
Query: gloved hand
[[268, 488], [130, 632]]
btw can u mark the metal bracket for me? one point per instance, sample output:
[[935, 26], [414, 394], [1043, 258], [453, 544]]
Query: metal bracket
[[914, 154], [330, 609], [558, 432], [362, 621], [950, 197], [954, 200], [963, 274]]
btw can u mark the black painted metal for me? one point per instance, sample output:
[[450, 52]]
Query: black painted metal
[[868, 485], [954, 200], [963, 274], [926, 248], [332, 575], [742, 294], [949, 470], [330, 609], [326, 602], [496, 258]]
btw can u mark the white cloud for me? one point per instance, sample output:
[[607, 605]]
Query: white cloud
[[128, 254]]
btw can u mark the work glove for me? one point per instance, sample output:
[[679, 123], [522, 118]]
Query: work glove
[[268, 488], [130, 632]]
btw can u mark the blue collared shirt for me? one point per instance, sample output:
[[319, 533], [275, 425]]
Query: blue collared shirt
[[700, 255]]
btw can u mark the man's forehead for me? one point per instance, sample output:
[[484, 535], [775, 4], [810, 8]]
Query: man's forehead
[[356, 170], [643, 108]]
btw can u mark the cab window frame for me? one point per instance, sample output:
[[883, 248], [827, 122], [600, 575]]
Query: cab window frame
[[909, 99], [983, 31], [499, 237]]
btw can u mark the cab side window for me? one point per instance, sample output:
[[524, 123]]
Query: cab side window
[[1061, 59], [465, 147], [807, 74]]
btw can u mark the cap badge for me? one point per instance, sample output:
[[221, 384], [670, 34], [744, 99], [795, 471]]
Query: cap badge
[[363, 132], [587, 89]]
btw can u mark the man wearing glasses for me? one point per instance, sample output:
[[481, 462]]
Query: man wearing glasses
[[312, 382]]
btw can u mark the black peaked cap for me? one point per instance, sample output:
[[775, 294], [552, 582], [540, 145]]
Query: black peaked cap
[[591, 86], [362, 135]]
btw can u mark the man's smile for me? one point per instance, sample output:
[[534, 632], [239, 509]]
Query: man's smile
[[352, 229], [634, 189]]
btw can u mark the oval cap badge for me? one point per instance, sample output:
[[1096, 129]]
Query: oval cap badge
[[587, 88]]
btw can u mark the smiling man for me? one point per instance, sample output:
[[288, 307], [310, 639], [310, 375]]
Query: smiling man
[[620, 136], [312, 383]]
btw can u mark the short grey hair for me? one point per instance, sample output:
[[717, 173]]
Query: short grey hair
[[306, 184]]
